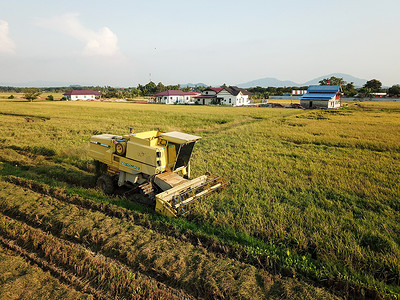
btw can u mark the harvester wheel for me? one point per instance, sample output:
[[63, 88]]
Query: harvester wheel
[[105, 183], [120, 149]]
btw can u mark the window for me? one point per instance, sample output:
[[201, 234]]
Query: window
[[230, 100]]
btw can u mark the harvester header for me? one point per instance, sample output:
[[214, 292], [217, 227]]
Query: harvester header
[[154, 164]]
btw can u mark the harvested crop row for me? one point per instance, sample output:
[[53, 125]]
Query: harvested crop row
[[17, 269], [272, 261], [141, 219], [176, 263], [106, 278], [45, 265]]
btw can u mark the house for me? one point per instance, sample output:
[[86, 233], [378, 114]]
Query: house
[[379, 95], [81, 95], [231, 96], [208, 96], [322, 96], [234, 96], [175, 96]]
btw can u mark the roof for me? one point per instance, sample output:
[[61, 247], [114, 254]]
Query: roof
[[318, 96], [205, 96], [323, 89], [179, 137], [321, 92], [82, 92], [176, 93], [215, 89], [234, 90]]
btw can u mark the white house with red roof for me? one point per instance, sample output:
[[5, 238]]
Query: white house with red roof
[[81, 95], [230, 96], [175, 96], [209, 96]]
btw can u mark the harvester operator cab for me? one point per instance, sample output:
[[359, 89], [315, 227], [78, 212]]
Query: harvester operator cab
[[179, 147]]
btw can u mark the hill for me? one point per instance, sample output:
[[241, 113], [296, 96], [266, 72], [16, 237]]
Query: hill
[[266, 82], [274, 82], [192, 85], [358, 82]]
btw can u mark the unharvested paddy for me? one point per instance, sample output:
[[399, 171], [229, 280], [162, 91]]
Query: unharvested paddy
[[312, 202]]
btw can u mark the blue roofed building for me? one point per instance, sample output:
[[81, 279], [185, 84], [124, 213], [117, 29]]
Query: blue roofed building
[[322, 96]]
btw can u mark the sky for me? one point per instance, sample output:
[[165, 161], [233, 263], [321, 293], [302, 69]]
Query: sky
[[126, 43]]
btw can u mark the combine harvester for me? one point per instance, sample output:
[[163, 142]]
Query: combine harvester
[[155, 164]]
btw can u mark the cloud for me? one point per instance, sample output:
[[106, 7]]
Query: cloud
[[104, 42], [7, 45]]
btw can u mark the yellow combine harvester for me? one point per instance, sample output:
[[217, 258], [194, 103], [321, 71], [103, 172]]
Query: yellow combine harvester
[[155, 164]]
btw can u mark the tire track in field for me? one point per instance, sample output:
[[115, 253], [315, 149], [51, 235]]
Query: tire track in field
[[227, 125], [42, 249]]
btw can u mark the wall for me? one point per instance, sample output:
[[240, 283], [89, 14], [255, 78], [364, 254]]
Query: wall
[[174, 99], [226, 96], [80, 97], [315, 103]]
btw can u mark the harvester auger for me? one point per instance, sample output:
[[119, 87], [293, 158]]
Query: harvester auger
[[154, 164]]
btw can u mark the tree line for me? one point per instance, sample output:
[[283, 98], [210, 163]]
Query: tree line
[[146, 90], [149, 89]]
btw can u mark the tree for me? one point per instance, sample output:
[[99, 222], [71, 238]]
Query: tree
[[349, 90], [160, 88], [135, 92], [150, 88], [110, 92], [332, 81], [394, 91], [31, 94], [50, 98], [365, 93], [374, 85]]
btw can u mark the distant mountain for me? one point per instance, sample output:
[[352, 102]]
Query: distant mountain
[[358, 82], [183, 85], [266, 82], [273, 82]]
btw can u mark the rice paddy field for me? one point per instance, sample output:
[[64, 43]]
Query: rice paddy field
[[311, 211]]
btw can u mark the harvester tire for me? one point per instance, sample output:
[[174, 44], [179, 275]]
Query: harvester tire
[[105, 183], [120, 149]]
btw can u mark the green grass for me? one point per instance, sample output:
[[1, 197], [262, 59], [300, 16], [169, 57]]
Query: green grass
[[323, 185]]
